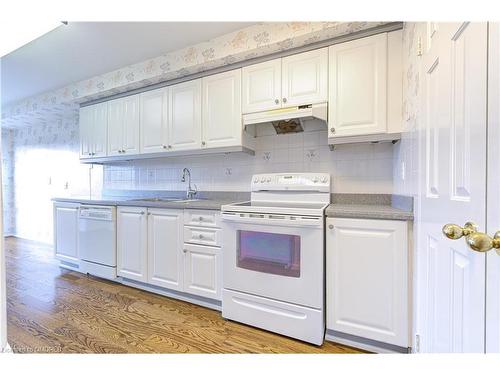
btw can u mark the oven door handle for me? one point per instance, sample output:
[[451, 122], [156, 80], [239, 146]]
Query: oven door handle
[[273, 219]]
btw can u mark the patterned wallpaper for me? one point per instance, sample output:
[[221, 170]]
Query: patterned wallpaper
[[250, 42]]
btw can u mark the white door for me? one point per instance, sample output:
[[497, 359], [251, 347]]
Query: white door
[[165, 248], [86, 127], [115, 127], [131, 243], [305, 78], [367, 279], [358, 87], [66, 231], [154, 117], [184, 115], [261, 86], [222, 122], [131, 125], [493, 208], [202, 271], [100, 130], [451, 305]]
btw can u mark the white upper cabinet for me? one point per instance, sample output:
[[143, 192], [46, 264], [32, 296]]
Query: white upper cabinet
[[154, 121], [358, 87], [305, 78], [184, 115], [123, 126], [261, 86], [93, 130], [222, 121], [165, 257], [132, 243]]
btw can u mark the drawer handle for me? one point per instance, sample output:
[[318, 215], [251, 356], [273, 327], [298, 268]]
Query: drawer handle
[[184, 251], [200, 236], [201, 218]]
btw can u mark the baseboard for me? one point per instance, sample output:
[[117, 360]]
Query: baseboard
[[202, 301], [364, 344]]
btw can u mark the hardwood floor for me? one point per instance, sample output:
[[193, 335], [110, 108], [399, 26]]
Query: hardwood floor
[[55, 310]]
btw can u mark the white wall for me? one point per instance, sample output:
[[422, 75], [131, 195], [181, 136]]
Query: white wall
[[365, 168], [8, 182]]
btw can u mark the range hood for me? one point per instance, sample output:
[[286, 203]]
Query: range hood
[[297, 119]]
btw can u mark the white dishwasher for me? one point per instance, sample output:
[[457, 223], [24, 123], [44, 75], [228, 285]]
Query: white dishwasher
[[97, 240]]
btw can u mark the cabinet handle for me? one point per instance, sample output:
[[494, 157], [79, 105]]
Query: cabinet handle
[[284, 100], [332, 130], [276, 101], [330, 226], [200, 236]]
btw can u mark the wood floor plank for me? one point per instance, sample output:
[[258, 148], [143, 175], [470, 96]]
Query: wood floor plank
[[52, 309]]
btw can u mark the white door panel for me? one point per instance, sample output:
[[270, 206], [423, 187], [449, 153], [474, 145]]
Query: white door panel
[[165, 248], [358, 87], [202, 271], [115, 127], [154, 117], [66, 231], [86, 128], [305, 78], [131, 127], [261, 86], [100, 130], [132, 243], [222, 122], [184, 111], [452, 277]]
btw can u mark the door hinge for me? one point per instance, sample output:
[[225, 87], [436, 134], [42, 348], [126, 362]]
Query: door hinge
[[419, 46], [417, 343]]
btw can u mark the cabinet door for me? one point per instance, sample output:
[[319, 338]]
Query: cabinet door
[[66, 231], [132, 243], [305, 78], [154, 117], [86, 124], [115, 127], [131, 125], [367, 279], [358, 81], [261, 86], [100, 130], [202, 271], [184, 113], [165, 248], [222, 122]]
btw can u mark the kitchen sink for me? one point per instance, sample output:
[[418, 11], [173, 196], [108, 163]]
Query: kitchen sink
[[178, 200]]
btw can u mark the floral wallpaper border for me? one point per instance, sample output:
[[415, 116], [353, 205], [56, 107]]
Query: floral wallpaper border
[[254, 41]]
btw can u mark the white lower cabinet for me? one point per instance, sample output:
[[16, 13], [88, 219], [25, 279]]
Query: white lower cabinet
[[202, 271], [165, 261], [66, 231], [367, 279], [162, 247], [132, 243]]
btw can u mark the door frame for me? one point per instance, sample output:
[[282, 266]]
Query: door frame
[[492, 326]]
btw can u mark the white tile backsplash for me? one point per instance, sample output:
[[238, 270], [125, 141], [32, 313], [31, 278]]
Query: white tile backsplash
[[363, 168]]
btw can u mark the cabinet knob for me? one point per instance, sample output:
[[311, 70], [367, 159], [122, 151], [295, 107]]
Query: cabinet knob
[[277, 101], [330, 226], [203, 143], [284, 100], [123, 151], [142, 212], [184, 251], [332, 130], [201, 218], [169, 146], [164, 146], [200, 236]]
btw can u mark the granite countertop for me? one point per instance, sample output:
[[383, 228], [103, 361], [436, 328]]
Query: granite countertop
[[371, 206], [207, 201]]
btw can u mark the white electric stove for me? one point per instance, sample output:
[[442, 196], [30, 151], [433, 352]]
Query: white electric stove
[[274, 251]]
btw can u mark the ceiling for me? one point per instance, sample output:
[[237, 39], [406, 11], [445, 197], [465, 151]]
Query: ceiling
[[81, 50]]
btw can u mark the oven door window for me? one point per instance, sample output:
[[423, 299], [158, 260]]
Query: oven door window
[[273, 253]]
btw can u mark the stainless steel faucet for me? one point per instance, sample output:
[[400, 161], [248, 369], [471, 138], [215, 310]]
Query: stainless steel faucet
[[190, 193]]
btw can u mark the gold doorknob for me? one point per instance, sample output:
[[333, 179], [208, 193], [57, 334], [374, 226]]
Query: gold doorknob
[[454, 231], [482, 242]]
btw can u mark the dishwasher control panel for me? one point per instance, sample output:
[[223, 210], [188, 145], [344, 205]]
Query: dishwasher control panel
[[97, 212]]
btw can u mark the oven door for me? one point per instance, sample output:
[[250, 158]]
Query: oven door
[[275, 256]]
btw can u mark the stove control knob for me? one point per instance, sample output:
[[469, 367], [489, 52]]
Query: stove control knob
[[256, 179], [315, 180], [262, 180], [324, 179], [268, 179]]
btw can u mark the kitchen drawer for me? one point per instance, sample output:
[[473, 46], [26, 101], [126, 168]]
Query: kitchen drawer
[[203, 218], [202, 236]]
